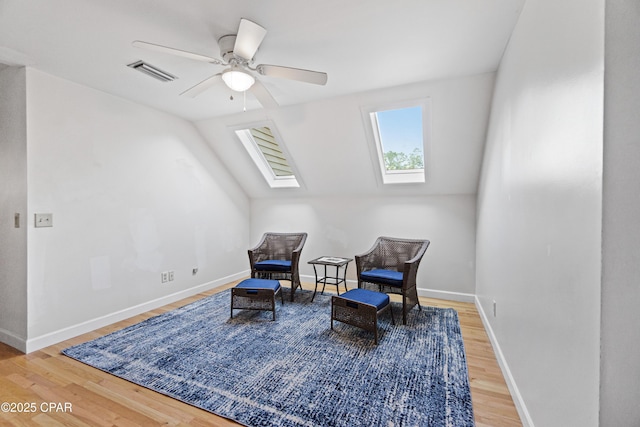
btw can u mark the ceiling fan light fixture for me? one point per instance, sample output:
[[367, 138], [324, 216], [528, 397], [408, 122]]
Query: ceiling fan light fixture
[[237, 80]]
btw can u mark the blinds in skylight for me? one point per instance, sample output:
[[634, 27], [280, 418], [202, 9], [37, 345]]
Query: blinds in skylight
[[264, 144], [271, 151]]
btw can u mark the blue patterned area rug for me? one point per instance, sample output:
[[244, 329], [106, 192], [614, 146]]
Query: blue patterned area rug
[[295, 371]]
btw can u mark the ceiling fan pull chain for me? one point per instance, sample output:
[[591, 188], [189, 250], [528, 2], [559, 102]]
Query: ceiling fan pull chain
[[244, 101]]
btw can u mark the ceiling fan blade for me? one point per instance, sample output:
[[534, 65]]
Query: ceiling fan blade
[[306, 76], [263, 96], [248, 39], [178, 52], [202, 86]]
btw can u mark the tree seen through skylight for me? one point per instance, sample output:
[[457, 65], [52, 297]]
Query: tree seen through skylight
[[400, 133]]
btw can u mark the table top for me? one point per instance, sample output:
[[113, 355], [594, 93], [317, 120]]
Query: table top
[[331, 260]]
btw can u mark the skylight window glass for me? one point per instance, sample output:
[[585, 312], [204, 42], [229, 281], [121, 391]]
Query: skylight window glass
[[400, 145], [261, 142]]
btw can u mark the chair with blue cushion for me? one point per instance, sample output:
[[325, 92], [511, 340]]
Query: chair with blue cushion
[[391, 266], [277, 256]]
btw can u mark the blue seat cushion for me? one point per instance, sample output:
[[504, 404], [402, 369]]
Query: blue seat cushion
[[365, 296], [385, 277], [273, 265], [259, 284]]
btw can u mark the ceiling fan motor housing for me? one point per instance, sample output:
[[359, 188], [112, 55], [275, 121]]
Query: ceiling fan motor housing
[[226, 44]]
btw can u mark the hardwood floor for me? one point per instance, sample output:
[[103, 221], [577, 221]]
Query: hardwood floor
[[45, 388]]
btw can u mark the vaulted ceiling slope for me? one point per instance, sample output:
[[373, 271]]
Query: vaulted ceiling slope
[[332, 153], [363, 45]]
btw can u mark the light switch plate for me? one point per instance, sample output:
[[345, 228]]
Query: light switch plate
[[44, 220]]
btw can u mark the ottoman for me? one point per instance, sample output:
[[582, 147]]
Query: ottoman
[[360, 307], [256, 294]]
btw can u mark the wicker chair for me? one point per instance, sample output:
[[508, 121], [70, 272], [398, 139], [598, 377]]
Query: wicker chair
[[391, 266], [277, 257]]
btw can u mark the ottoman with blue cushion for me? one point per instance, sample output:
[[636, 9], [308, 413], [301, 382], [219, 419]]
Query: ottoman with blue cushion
[[360, 307], [256, 294]]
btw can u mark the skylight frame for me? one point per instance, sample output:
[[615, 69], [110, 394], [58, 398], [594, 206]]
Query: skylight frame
[[244, 135], [407, 176]]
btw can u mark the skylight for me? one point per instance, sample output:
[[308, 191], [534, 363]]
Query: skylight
[[261, 142], [399, 137]]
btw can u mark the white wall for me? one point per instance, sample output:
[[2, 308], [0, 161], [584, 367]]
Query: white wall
[[343, 205], [620, 366], [13, 199], [539, 211], [346, 226], [133, 192]]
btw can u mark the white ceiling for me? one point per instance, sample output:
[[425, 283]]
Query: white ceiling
[[362, 44]]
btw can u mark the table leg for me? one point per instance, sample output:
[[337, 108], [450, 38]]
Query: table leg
[[344, 277], [315, 273], [324, 280]]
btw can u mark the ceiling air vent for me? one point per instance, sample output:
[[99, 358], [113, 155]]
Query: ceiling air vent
[[152, 71]]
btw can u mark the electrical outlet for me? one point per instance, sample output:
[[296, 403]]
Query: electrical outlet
[[164, 276], [171, 273], [43, 220]]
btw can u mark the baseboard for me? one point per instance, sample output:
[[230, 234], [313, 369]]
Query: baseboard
[[423, 292], [446, 295], [13, 340], [52, 338], [518, 401]]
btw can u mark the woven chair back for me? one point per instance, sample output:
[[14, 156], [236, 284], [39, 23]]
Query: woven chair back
[[391, 253]]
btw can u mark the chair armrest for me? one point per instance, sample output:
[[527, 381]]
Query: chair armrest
[[411, 266], [369, 252], [256, 254], [259, 245], [416, 258], [298, 249], [365, 261], [295, 255], [419, 255]]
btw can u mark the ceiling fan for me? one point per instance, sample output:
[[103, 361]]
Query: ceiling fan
[[237, 52]]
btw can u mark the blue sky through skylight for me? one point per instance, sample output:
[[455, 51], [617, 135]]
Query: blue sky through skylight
[[401, 130]]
